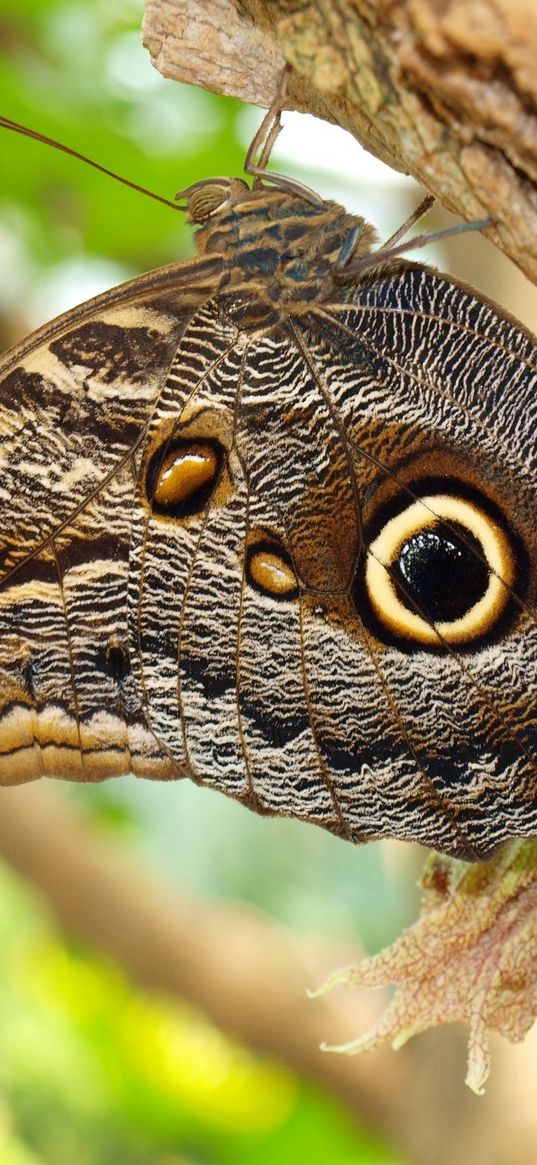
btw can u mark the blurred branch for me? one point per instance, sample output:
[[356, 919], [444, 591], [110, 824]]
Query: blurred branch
[[446, 92], [250, 975]]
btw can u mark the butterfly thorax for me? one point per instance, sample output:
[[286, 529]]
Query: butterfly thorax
[[284, 250]]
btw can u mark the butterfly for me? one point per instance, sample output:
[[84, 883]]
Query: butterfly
[[268, 522]]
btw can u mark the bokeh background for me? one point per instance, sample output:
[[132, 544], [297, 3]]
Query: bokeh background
[[95, 1068]]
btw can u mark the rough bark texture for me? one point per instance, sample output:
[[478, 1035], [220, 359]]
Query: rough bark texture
[[445, 90]]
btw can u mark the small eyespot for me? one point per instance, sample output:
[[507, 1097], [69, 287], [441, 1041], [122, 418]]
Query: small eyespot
[[269, 570], [179, 483], [440, 571], [116, 660]]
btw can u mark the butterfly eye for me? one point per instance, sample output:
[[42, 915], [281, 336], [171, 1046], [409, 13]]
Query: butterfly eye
[[440, 571], [180, 483], [269, 570]]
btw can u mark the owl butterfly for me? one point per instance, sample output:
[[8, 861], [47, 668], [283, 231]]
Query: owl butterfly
[[268, 522]]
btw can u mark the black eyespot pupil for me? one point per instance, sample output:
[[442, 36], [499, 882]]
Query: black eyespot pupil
[[116, 662], [439, 575]]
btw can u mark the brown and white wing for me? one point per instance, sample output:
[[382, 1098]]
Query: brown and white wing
[[75, 401]]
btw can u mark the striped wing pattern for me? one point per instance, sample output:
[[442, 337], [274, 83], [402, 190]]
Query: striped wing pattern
[[145, 641]]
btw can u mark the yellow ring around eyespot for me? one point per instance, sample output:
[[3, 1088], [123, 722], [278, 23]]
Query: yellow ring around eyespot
[[423, 515], [272, 574], [183, 472]]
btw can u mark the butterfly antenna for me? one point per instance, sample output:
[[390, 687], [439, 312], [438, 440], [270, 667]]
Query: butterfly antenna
[[6, 123]]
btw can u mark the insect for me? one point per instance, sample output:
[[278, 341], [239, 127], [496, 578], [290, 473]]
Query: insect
[[268, 522]]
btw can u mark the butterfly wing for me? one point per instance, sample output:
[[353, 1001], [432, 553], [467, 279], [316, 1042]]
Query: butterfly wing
[[216, 622], [201, 501], [74, 402], [264, 671], [436, 394]]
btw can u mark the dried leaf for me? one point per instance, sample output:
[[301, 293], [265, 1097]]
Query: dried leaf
[[472, 956]]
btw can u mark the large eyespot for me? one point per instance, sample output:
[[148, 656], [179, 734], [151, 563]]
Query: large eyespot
[[180, 482], [269, 570], [440, 571]]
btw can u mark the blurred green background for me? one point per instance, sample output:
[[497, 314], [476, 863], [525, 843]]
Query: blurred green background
[[93, 1070]]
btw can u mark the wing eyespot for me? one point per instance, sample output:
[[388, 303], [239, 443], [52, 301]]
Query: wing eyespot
[[116, 660], [270, 571], [440, 572], [181, 478]]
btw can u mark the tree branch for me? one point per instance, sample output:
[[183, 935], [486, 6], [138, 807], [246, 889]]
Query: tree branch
[[444, 91]]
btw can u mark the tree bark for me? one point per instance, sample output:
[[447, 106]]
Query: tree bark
[[445, 90]]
